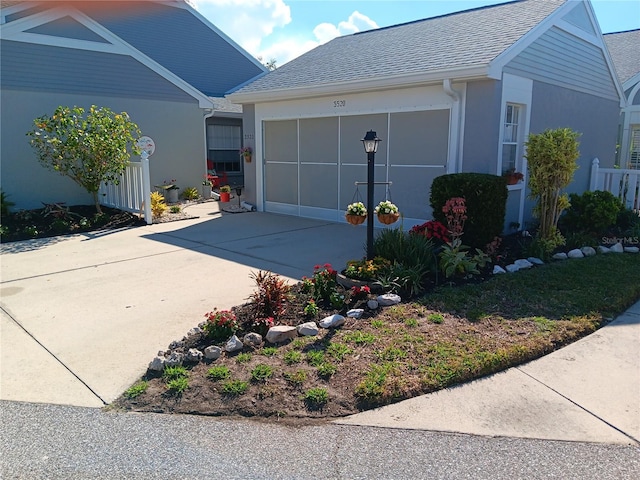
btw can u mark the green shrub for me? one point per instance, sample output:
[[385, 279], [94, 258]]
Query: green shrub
[[5, 204], [412, 251], [158, 207], [172, 373], [326, 369], [178, 385], [261, 373], [292, 356], [137, 389], [315, 357], [190, 193], [486, 200], [316, 397], [220, 372], [234, 387], [591, 212], [296, 378], [175, 209]]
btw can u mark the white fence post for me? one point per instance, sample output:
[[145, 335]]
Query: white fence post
[[146, 187], [595, 166]]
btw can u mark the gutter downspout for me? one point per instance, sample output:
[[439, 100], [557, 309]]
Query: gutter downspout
[[455, 126], [208, 113]]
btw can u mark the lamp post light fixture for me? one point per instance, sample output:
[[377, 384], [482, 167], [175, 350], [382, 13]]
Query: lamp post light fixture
[[370, 143]]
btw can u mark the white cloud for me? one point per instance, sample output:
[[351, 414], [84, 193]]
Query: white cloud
[[250, 23]]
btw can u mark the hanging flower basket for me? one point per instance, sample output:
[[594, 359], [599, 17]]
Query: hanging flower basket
[[388, 218], [387, 212], [355, 219]]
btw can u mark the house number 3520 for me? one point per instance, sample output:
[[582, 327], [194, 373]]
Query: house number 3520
[[339, 103]]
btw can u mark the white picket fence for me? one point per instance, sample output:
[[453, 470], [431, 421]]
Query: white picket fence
[[623, 183], [133, 193]]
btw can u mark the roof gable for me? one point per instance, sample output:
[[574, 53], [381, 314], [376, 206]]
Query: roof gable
[[67, 27], [455, 45], [624, 48]]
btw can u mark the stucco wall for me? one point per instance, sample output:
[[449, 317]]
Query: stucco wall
[[177, 128], [482, 127]]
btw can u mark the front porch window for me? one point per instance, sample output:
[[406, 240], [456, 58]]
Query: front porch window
[[224, 143], [511, 138], [634, 157]]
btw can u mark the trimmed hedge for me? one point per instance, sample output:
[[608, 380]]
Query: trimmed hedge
[[486, 201]]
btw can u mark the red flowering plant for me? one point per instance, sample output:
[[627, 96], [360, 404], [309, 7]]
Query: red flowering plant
[[221, 324], [455, 211], [360, 293], [432, 229], [324, 282], [262, 325]]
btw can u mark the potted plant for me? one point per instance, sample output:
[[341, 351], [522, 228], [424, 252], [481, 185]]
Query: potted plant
[[387, 212], [246, 153], [513, 177], [225, 193], [207, 185], [356, 213], [170, 190]]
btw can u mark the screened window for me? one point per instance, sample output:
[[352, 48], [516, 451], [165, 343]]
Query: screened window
[[511, 138], [634, 158], [224, 143]]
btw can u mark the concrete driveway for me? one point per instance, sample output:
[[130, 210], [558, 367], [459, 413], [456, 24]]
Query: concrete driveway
[[83, 315]]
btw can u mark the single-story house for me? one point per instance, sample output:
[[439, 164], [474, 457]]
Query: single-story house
[[453, 93], [624, 48], [159, 60]]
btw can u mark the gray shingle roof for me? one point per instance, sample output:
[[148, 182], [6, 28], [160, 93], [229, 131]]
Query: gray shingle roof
[[472, 38], [624, 48]]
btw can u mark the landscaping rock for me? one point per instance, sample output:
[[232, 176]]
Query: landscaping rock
[[174, 360], [603, 249], [254, 339], [512, 268], [388, 299], [560, 256], [497, 270], [355, 313], [575, 253], [212, 353], [281, 333], [535, 260], [308, 329], [588, 251], [193, 355], [332, 321], [616, 248], [233, 344], [522, 263], [372, 304], [194, 332], [176, 344], [157, 364], [631, 249]]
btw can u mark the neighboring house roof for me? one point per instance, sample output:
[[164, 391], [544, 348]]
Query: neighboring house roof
[[169, 32], [449, 46], [624, 48]]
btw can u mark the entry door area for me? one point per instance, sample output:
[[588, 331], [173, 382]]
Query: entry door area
[[311, 165]]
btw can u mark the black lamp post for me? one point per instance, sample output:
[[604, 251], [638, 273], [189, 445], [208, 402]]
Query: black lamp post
[[370, 142]]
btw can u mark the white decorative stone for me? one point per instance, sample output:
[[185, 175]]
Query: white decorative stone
[[616, 248], [522, 263], [193, 355], [308, 329], [254, 339], [355, 313], [535, 260], [233, 344], [372, 304], [588, 251], [212, 353], [512, 268], [497, 270], [603, 249], [281, 333], [575, 253], [388, 299], [194, 331], [157, 364], [560, 256], [174, 360], [631, 249], [332, 321]]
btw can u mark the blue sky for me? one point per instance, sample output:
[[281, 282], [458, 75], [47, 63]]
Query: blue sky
[[285, 29]]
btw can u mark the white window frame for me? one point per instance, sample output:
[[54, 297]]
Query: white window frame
[[634, 147], [515, 123]]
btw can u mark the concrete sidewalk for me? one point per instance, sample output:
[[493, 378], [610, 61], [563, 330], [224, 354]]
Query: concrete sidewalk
[[82, 316]]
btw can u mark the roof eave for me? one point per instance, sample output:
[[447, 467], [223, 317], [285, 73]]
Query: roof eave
[[361, 86]]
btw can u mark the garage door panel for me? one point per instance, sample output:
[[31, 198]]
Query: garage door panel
[[411, 190], [352, 131], [281, 141], [419, 138], [319, 185], [282, 183], [319, 140]]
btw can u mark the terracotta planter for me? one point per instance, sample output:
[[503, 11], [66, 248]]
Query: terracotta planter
[[225, 196], [388, 218], [355, 219], [512, 179], [247, 158]]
